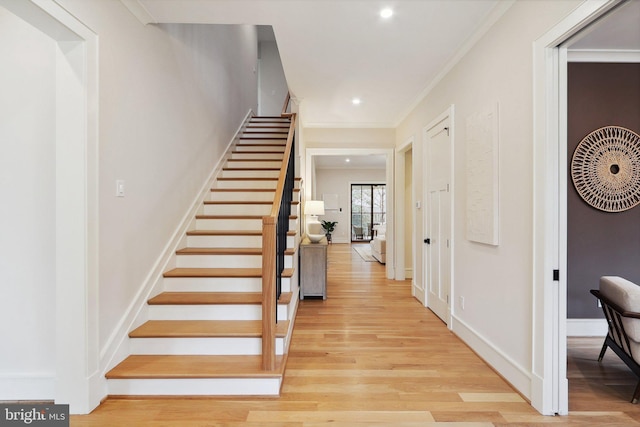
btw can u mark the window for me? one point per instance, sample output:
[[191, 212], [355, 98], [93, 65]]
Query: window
[[368, 208]]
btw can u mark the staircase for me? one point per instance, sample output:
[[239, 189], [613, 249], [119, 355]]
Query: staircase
[[204, 333]]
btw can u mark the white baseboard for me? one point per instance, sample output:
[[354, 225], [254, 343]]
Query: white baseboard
[[27, 387], [586, 327], [516, 375], [117, 347]]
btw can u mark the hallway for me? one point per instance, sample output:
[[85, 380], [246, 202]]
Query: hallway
[[371, 355]]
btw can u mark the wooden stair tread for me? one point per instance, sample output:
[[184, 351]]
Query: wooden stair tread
[[219, 251], [249, 144], [221, 272], [229, 216], [205, 329], [224, 233], [276, 130], [257, 152], [249, 178], [238, 202], [237, 216], [276, 125], [205, 298], [209, 298], [232, 232], [248, 169], [249, 190], [194, 366], [273, 140]]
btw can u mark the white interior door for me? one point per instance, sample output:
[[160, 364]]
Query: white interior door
[[437, 241]]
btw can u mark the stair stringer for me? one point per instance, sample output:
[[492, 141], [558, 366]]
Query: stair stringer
[[117, 346]]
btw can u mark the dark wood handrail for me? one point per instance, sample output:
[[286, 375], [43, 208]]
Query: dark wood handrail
[[269, 252], [285, 107]]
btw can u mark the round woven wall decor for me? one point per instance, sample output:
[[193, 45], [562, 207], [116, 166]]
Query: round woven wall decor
[[605, 169]]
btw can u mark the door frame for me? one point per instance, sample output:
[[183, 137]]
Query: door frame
[[309, 187], [447, 114], [549, 385], [401, 201], [78, 381]]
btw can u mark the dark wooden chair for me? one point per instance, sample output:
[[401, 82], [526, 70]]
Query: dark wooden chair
[[617, 338]]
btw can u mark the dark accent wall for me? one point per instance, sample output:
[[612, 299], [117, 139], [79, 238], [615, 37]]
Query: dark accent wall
[[599, 243]]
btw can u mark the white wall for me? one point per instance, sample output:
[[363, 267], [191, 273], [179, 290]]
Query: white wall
[[338, 181], [171, 98], [272, 84], [27, 211], [366, 138], [496, 282]]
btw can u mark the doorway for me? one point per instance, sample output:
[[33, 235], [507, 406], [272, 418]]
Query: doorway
[[75, 248], [549, 379], [405, 206], [313, 189], [438, 141]]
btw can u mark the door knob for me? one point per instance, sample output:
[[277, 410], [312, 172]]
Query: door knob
[[427, 241]]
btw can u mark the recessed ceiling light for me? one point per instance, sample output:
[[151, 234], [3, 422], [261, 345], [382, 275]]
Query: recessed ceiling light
[[347, 160], [356, 101], [386, 13]]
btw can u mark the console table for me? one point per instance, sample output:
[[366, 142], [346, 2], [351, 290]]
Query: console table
[[313, 268]]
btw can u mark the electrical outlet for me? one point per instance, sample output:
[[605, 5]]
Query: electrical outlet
[[462, 303]]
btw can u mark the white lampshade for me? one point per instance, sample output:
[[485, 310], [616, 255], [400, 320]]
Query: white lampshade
[[314, 207]]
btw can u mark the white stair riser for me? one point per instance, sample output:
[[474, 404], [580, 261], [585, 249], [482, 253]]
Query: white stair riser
[[212, 312], [258, 196], [257, 120], [249, 148], [270, 138], [252, 164], [212, 346], [225, 261], [271, 129], [195, 387], [248, 154], [237, 194], [219, 284], [255, 173], [224, 241], [228, 224], [237, 209], [270, 134], [263, 142], [219, 261], [232, 241], [270, 184], [213, 284]]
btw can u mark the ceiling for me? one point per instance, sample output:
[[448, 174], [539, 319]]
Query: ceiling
[[335, 50]]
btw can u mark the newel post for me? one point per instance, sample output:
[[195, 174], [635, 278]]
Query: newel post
[[268, 293]]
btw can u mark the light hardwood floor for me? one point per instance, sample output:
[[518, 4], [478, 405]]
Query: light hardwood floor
[[372, 355]]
